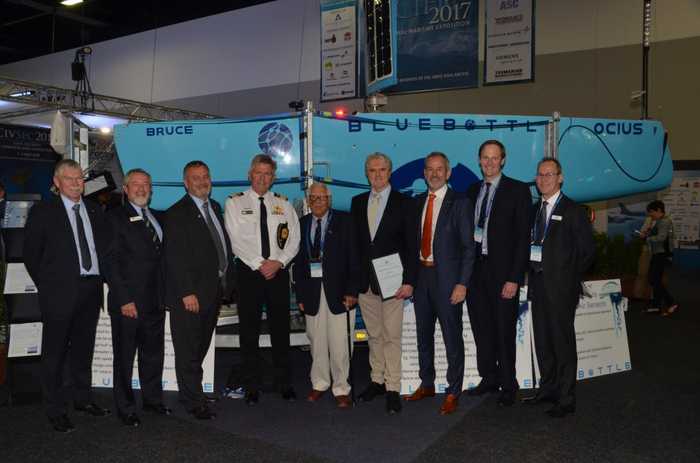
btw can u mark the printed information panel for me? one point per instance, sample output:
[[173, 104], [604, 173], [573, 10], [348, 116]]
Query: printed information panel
[[103, 358], [601, 341]]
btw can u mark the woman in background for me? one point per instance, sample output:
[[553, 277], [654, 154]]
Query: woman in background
[[659, 238]]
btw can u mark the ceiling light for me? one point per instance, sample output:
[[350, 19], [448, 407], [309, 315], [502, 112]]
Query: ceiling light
[[71, 2], [105, 130]]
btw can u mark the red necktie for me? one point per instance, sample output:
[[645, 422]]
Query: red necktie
[[425, 243]]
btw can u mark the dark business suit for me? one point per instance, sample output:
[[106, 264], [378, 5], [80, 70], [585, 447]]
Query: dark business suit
[[493, 319], [69, 304], [191, 267], [568, 251], [326, 320], [339, 263], [136, 276], [453, 257], [396, 233]]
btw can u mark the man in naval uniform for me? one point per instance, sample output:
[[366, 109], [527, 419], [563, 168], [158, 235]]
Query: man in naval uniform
[[264, 231]]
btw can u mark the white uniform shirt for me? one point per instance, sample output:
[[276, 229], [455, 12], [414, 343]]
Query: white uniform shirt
[[242, 219]]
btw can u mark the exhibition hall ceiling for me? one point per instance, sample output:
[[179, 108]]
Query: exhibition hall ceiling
[[30, 28]]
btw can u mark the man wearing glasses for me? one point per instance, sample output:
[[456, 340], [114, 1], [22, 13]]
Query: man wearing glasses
[[325, 272], [562, 249]]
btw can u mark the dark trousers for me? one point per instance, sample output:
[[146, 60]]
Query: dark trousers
[[555, 342], [192, 335], [493, 321], [657, 266], [70, 338], [254, 291], [430, 304], [143, 334]]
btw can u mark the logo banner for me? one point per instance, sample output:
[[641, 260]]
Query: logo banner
[[338, 49], [510, 44]]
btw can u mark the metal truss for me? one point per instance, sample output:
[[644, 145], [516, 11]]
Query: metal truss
[[44, 98]]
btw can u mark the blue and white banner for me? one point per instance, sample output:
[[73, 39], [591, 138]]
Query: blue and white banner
[[338, 49], [510, 41], [437, 45], [103, 358]]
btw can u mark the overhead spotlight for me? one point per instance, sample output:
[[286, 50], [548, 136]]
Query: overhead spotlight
[[105, 130], [71, 2], [22, 93]]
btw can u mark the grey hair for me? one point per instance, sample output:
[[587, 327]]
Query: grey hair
[[319, 184], [263, 159], [377, 155], [129, 174], [66, 164]]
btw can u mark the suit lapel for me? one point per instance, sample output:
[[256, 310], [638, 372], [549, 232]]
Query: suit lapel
[[422, 198], [444, 211], [364, 202]]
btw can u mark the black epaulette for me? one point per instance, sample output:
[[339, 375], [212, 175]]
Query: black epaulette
[[277, 195], [232, 195]]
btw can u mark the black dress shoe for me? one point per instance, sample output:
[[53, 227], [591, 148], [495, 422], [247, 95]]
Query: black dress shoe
[[131, 420], [537, 399], [211, 399], [93, 409], [483, 388], [203, 412], [372, 391], [62, 424], [159, 409], [560, 411], [393, 402], [252, 397], [506, 398], [288, 394]]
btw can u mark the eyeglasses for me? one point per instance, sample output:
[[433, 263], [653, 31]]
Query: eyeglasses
[[548, 175], [315, 198]]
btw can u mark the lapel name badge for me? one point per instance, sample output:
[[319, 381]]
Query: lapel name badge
[[135, 218]]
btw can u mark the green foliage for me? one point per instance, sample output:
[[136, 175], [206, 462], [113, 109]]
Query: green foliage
[[614, 257]]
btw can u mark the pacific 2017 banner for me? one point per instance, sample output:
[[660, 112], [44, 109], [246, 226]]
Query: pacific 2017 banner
[[509, 46], [437, 45]]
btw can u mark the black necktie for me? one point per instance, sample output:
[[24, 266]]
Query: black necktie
[[541, 223], [215, 237], [151, 229], [264, 233], [82, 240], [484, 203], [316, 248]]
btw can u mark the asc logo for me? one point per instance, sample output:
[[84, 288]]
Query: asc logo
[[275, 139]]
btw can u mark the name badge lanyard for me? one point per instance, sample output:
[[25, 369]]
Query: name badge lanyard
[[489, 204], [546, 223], [324, 230]]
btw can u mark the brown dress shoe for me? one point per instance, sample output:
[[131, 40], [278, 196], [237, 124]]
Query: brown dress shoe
[[343, 401], [420, 394], [449, 405], [314, 395]]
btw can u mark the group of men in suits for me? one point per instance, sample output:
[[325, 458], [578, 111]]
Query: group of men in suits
[[452, 247]]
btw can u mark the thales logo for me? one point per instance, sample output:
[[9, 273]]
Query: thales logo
[[275, 139], [169, 130]]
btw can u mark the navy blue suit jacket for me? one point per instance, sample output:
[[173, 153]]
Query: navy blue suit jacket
[[136, 273], [453, 242], [340, 265]]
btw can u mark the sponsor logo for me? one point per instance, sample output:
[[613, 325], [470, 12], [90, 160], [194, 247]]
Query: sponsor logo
[[275, 139], [516, 18], [508, 4]]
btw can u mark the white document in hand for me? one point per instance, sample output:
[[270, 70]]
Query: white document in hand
[[389, 273]]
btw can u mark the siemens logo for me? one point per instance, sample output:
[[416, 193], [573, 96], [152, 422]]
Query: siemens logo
[[172, 130], [619, 128]]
